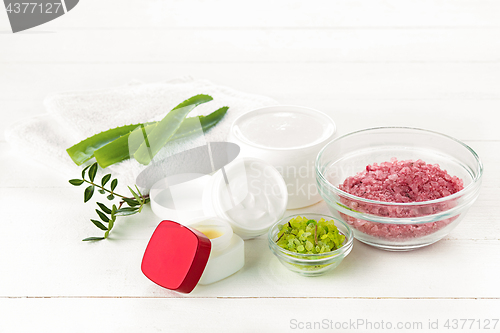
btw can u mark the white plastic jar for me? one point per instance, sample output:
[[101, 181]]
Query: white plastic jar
[[289, 138], [248, 193], [227, 255]]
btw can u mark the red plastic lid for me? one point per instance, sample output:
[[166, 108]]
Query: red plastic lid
[[176, 256]]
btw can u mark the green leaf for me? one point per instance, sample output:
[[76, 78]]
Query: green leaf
[[111, 225], [89, 191], [106, 234], [113, 213], [110, 197], [136, 196], [166, 128], [104, 208], [92, 239], [114, 183], [138, 192], [84, 150], [126, 211], [131, 202], [102, 216], [105, 179], [102, 191], [119, 149], [93, 172], [76, 182], [83, 171], [99, 224]]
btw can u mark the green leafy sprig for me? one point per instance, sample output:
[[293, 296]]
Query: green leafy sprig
[[108, 215]]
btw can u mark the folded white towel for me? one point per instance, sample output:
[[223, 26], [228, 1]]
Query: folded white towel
[[74, 116]]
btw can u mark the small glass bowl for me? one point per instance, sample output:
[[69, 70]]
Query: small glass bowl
[[311, 264], [390, 225]]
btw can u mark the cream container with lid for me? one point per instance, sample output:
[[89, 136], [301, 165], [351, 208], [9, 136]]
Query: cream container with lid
[[228, 251], [179, 257], [289, 138], [248, 193]]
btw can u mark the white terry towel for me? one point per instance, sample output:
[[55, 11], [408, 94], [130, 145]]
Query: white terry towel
[[74, 116]]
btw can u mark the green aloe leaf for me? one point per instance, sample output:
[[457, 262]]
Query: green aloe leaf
[[166, 128], [191, 125], [116, 151], [119, 150], [76, 182], [99, 225], [111, 146], [84, 150], [89, 191]]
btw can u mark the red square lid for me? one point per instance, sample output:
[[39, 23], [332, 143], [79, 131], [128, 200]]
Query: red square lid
[[176, 256]]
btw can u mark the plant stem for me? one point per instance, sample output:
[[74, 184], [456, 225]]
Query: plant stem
[[102, 188], [316, 235], [142, 204]]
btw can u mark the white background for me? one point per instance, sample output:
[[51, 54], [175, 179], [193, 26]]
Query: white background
[[429, 64]]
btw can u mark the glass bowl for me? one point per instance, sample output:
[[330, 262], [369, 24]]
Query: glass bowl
[[389, 225], [311, 264]]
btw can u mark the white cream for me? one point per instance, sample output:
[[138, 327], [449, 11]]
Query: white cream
[[254, 204], [283, 129], [254, 199]]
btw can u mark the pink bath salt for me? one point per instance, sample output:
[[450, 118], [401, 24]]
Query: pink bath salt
[[403, 182]]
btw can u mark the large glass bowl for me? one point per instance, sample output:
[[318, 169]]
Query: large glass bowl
[[397, 226], [310, 264]]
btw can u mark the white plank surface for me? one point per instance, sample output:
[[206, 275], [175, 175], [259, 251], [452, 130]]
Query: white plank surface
[[262, 46], [240, 315], [430, 64]]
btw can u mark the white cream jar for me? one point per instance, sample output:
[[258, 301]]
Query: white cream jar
[[252, 201], [248, 193], [227, 255], [289, 138]]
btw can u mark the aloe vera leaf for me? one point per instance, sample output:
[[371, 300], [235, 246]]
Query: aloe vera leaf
[[166, 128], [84, 150], [119, 149], [115, 151], [191, 125]]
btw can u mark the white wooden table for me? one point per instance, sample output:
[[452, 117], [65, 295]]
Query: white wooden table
[[429, 64]]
